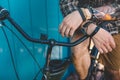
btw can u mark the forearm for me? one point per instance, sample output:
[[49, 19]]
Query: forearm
[[107, 12]]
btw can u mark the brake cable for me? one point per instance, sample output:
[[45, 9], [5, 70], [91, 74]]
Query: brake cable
[[40, 69], [11, 54]]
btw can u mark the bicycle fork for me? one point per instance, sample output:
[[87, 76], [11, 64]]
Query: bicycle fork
[[46, 69]]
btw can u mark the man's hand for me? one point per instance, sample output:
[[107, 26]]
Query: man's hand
[[103, 40], [70, 23]]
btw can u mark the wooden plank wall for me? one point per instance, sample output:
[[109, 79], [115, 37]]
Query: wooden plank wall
[[35, 17]]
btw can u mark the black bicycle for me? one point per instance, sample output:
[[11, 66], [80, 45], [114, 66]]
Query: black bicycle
[[53, 69]]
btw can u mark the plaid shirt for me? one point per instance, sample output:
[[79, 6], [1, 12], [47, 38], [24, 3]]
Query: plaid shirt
[[68, 6]]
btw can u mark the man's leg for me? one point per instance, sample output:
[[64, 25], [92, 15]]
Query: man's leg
[[112, 61], [112, 74], [81, 57]]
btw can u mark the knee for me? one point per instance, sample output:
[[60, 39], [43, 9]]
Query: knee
[[81, 57], [78, 53]]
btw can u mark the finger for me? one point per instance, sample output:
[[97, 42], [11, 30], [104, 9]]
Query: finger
[[108, 47], [112, 43], [71, 32], [62, 25], [103, 47], [100, 50], [67, 32], [63, 30], [60, 28]]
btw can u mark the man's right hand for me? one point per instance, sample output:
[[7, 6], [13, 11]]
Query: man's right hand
[[102, 40], [70, 23]]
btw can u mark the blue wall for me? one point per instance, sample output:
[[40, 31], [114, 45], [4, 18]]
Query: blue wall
[[35, 17]]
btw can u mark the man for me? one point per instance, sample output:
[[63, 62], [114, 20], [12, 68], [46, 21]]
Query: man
[[94, 12]]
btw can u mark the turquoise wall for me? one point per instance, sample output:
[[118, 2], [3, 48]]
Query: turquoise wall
[[35, 17]]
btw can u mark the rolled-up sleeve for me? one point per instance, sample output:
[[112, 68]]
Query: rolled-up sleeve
[[116, 4], [68, 6], [117, 7]]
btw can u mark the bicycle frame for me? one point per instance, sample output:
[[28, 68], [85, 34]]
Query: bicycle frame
[[50, 42]]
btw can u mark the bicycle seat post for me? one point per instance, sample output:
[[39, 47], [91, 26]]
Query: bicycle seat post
[[91, 72]]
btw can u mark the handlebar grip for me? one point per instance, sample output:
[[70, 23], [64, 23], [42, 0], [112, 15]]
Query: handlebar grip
[[3, 13]]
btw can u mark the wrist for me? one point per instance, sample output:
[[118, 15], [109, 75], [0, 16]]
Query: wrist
[[87, 13], [88, 27], [82, 14], [91, 28]]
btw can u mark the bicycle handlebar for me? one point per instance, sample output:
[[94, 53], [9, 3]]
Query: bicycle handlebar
[[4, 14], [50, 41]]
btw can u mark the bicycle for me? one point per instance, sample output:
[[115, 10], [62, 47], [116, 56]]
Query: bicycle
[[50, 71]]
